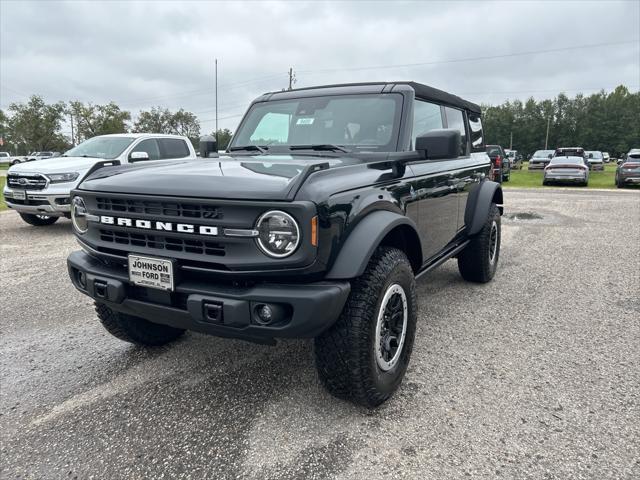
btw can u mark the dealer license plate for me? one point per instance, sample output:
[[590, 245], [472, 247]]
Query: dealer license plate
[[19, 194], [151, 272]]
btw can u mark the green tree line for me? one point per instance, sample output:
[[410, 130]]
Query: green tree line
[[609, 122], [36, 125]]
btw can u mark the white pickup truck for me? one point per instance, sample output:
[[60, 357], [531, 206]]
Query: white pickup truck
[[39, 191]]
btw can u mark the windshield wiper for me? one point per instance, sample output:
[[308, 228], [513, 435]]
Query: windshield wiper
[[326, 147], [256, 148]]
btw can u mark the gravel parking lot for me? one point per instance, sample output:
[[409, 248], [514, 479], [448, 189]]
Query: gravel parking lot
[[535, 375]]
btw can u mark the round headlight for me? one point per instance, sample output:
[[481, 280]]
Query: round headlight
[[79, 215], [278, 234]]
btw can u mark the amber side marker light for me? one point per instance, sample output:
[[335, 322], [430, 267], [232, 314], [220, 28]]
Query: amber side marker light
[[314, 231]]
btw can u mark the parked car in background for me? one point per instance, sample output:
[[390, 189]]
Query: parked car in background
[[39, 191], [540, 159], [497, 155], [606, 157], [515, 159], [572, 152], [41, 156], [628, 170], [6, 157], [595, 160], [566, 169]]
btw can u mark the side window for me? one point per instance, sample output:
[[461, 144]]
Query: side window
[[426, 116], [150, 146], [475, 127], [173, 148], [455, 120], [272, 129]]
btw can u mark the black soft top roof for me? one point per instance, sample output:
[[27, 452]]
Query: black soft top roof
[[422, 91], [440, 96]]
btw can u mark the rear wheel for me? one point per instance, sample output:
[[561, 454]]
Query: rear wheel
[[38, 220], [479, 260], [135, 329], [363, 357], [619, 183]]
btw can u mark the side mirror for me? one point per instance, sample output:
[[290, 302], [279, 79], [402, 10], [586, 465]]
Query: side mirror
[[138, 156], [208, 146], [591, 155], [439, 144], [550, 156]]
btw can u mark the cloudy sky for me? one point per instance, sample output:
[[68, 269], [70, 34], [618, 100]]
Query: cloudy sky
[[144, 54]]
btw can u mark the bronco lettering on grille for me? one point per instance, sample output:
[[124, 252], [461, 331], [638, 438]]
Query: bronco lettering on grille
[[160, 226]]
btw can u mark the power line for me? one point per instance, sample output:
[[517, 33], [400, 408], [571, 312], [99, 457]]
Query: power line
[[468, 59]]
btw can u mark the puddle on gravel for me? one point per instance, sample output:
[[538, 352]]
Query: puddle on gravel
[[524, 216]]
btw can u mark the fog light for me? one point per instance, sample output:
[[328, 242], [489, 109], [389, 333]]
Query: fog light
[[264, 314], [82, 280]]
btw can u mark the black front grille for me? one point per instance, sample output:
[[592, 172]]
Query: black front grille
[[163, 208], [26, 182], [27, 202], [160, 242]]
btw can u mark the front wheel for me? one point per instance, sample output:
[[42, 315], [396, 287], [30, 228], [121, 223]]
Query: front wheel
[[363, 357], [479, 260], [38, 220]]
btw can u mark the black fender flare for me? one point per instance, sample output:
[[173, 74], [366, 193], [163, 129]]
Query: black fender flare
[[478, 205], [362, 242]]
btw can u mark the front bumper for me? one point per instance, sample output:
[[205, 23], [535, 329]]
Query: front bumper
[[306, 309], [597, 166], [39, 203], [537, 166]]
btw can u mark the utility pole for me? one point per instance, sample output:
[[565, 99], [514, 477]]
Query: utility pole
[[73, 138], [511, 142], [292, 78], [546, 140], [216, 82]]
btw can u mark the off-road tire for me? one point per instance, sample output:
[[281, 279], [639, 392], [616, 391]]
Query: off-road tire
[[345, 354], [475, 261], [135, 329], [37, 221]]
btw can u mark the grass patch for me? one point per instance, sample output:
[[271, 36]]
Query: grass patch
[[533, 179], [3, 206]]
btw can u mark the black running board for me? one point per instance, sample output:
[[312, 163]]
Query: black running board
[[443, 258]]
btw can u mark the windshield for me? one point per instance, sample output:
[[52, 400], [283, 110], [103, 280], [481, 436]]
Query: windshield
[[101, 147], [543, 153], [493, 151], [355, 122], [565, 160], [596, 155]]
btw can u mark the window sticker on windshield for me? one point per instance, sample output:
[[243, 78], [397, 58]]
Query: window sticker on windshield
[[305, 121]]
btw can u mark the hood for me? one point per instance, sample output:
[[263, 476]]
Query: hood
[[56, 165], [273, 177]]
